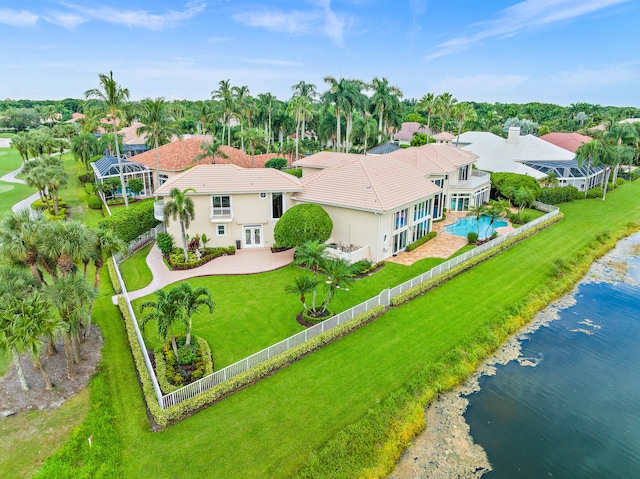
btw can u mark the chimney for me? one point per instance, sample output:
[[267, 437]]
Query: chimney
[[514, 134]]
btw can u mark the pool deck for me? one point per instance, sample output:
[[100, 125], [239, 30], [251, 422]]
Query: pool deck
[[443, 245]]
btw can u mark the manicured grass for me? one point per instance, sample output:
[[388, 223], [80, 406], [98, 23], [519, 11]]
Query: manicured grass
[[134, 269], [273, 428], [75, 195], [30, 438], [9, 160], [11, 193]]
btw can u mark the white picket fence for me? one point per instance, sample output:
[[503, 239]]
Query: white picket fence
[[140, 242], [384, 299]]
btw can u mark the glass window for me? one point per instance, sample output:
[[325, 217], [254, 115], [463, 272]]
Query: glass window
[[400, 219], [277, 205], [221, 230], [420, 210], [400, 241], [463, 173], [221, 206], [419, 230]]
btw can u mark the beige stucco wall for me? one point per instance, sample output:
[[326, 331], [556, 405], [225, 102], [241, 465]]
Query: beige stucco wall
[[248, 209]]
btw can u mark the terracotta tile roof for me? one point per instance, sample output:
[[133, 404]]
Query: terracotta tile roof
[[568, 141], [435, 158], [179, 155], [229, 179], [130, 137], [410, 128], [370, 183], [444, 136]]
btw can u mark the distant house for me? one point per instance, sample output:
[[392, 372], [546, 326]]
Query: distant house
[[568, 141], [107, 168], [384, 148], [529, 155], [408, 130]]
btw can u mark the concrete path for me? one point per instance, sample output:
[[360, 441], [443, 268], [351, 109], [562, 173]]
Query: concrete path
[[245, 261], [11, 178]]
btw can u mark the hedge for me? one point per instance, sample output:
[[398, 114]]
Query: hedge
[[130, 223], [504, 182], [161, 365], [562, 194], [421, 241]]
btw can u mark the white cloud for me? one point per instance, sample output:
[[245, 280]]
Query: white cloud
[[606, 76], [66, 19], [321, 19], [17, 18], [139, 18], [526, 15]]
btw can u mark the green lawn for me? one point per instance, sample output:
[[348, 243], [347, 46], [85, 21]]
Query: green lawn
[[134, 269], [274, 427]]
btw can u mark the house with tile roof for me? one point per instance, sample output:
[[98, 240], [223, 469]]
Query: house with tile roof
[[378, 204], [529, 155], [568, 141], [232, 204], [408, 130]]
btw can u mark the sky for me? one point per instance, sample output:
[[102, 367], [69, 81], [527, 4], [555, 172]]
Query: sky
[[509, 51]]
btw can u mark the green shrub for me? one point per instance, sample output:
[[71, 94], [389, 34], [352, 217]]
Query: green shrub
[[95, 203], [359, 267], [165, 243], [176, 257], [302, 223], [113, 276], [472, 237], [595, 192], [562, 194], [62, 214], [130, 223], [297, 172], [421, 241], [41, 205], [231, 250], [505, 183], [277, 163], [619, 181], [87, 177]]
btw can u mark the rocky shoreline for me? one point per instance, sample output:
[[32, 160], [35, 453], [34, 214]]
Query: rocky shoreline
[[446, 449]]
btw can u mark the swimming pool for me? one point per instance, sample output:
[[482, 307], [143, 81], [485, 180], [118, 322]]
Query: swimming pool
[[469, 224]]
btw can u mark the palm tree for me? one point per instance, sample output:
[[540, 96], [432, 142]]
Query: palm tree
[[21, 143], [339, 277], [20, 238], [241, 96], [83, 147], [167, 310], [110, 99], [210, 150], [336, 96], [295, 107], [158, 126], [427, 103], [463, 112], [591, 154], [496, 209], [551, 180], [255, 137], [192, 300], [74, 243], [384, 97], [478, 211], [308, 91], [444, 103], [302, 286], [224, 95], [265, 105], [312, 255], [180, 207]]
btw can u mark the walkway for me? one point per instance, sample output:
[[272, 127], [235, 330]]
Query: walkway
[[245, 261]]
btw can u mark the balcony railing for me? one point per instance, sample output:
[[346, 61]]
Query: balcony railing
[[478, 179]]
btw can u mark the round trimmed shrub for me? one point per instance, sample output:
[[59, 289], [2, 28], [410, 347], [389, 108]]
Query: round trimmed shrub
[[165, 243], [302, 223], [277, 163], [95, 203]]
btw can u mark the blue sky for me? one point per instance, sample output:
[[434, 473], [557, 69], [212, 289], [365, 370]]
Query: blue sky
[[558, 51]]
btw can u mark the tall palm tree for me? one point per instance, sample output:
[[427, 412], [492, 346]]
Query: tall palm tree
[[312, 255], [224, 95], [295, 107], [497, 209], [255, 137], [210, 150], [427, 103], [192, 300], [384, 97], [308, 91], [463, 112], [590, 153], [20, 234], [241, 96], [180, 207], [167, 310], [159, 127], [338, 97], [444, 103], [110, 99], [339, 277], [21, 143], [266, 102], [477, 211], [83, 147]]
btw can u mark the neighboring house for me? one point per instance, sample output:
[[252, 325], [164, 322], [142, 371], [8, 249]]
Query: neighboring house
[[568, 141], [444, 137], [447, 167], [528, 155], [408, 130], [233, 205], [384, 148], [178, 156]]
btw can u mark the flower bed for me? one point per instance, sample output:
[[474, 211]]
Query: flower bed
[[175, 259]]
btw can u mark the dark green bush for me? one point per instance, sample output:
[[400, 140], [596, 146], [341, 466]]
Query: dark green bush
[[302, 223], [130, 223], [505, 183], [277, 163], [619, 181], [297, 172], [359, 267], [176, 257], [595, 193], [40, 204], [86, 178], [95, 203], [165, 243], [472, 237], [421, 241], [561, 194]]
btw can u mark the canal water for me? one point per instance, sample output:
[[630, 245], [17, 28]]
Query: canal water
[[561, 400]]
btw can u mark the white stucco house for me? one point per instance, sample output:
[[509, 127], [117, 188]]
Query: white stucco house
[[528, 155]]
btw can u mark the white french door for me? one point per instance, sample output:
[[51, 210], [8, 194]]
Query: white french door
[[252, 236]]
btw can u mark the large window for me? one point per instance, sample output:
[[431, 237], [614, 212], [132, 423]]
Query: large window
[[277, 205], [400, 219], [460, 202], [220, 206], [399, 241], [419, 230], [463, 173], [420, 210]]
